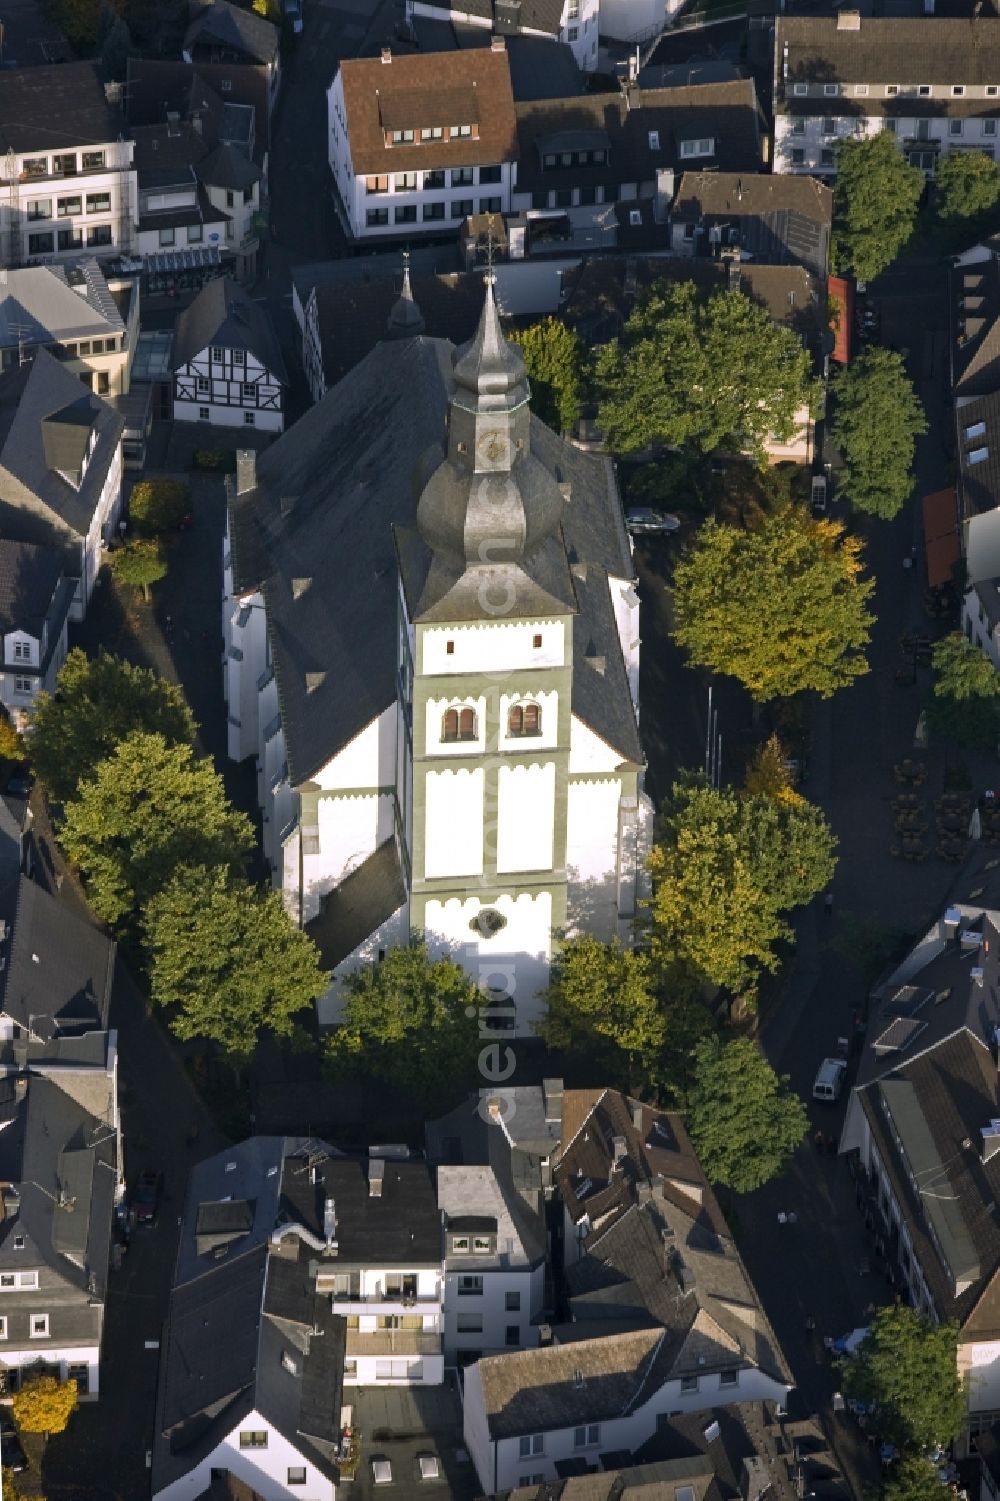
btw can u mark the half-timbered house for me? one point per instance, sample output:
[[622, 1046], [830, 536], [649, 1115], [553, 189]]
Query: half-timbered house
[[228, 369]]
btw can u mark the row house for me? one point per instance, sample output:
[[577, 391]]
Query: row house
[[226, 362], [35, 600], [61, 1161], [967, 515], [87, 317], [201, 161], [223, 33], [572, 22], [773, 220], [418, 144], [67, 179], [923, 1110], [60, 471], [933, 81]]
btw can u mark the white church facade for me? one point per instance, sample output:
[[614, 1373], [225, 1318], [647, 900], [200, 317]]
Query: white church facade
[[432, 653]]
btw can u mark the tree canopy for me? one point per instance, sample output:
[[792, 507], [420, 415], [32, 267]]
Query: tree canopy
[[966, 702], [780, 604], [139, 563], [907, 1368], [147, 808], [876, 422], [411, 1020], [603, 991], [44, 1404], [157, 506], [226, 957], [768, 776], [743, 1119], [875, 201], [725, 868], [966, 185], [914, 1477], [557, 364], [701, 371], [98, 702]]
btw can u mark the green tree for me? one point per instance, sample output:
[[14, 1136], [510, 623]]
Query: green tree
[[140, 564], [781, 605], [44, 1404], [907, 1367], [965, 704], [743, 1119], [875, 201], [147, 808], [411, 1020], [877, 420], [966, 185], [601, 992], [556, 363], [725, 868], [701, 371], [98, 702], [11, 743], [768, 776], [158, 505], [914, 1477], [226, 957]]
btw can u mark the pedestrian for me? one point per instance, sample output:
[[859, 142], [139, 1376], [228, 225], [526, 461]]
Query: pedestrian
[[828, 903]]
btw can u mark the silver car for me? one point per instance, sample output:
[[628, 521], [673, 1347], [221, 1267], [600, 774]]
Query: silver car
[[642, 520]]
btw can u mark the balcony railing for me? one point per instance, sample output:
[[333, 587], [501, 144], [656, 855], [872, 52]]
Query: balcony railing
[[393, 1342]]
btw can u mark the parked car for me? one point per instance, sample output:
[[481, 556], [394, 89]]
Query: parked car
[[829, 1080], [19, 783], [146, 1196], [641, 520], [12, 1455], [818, 495]]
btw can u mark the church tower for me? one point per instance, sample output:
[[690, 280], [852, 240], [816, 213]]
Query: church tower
[[487, 606]]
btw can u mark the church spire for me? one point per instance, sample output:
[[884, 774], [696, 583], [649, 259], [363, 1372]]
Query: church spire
[[488, 368], [405, 319]]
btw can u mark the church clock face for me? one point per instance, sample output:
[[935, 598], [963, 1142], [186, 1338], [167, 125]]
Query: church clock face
[[493, 448]]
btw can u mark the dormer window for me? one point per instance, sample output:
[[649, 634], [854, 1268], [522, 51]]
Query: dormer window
[[434, 133], [460, 130], [799, 89], [524, 720], [831, 88], [924, 90], [22, 651], [460, 1245], [401, 137], [482, 1245], [459, 724]]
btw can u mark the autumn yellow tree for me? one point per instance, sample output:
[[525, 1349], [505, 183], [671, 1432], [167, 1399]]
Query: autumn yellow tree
[[768, 776], [11, 744], [44, 1404]]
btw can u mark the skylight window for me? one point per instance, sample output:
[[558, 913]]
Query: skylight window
[[977, 456], [977, 430]]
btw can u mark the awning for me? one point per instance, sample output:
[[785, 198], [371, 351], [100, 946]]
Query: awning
[[194, 258], [941, 536]]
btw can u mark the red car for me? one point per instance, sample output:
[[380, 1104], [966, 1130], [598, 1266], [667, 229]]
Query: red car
[[146, 1196]]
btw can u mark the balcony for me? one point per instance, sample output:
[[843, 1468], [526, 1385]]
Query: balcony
[[393, 1342], [383, 1302]]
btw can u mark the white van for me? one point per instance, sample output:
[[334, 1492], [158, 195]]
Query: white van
[[829, 1080]]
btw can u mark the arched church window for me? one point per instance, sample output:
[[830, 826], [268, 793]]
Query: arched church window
[[459, 724], [524, 719]]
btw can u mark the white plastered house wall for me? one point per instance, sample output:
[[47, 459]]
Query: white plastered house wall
[[20, 678], [99, 209], [409, 1356], [263, 1468]]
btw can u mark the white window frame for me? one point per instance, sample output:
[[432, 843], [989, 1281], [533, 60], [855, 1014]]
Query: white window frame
[[831, 90], [38, 1318], [587, 1436], [530, 1444], [800, 90]]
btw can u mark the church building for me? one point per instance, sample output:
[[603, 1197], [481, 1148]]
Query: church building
[[432, 653]]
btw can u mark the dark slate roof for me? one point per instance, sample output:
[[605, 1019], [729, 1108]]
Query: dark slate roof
[[224, 314], [507, 19], [352, 317], [29, 577], [884, 49], [228, 167], [54, 108], [156, 85], [247, 1330], [232, 26], [781, 219], [728, 112], [399, 1227], [56, 1148], [976, 324], [59, 968], [979, 453], [359, 905], [335, 487], [541, 68], [36, 504]]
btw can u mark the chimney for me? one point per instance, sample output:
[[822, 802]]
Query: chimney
[[991, 1140], [849, 20], [618, 1148], [637, 1115], [497, 44], [330, 1224], [196, 122], [376, 1177], [246, 470], [386, 55], [20, 1086], [552, 1095]]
